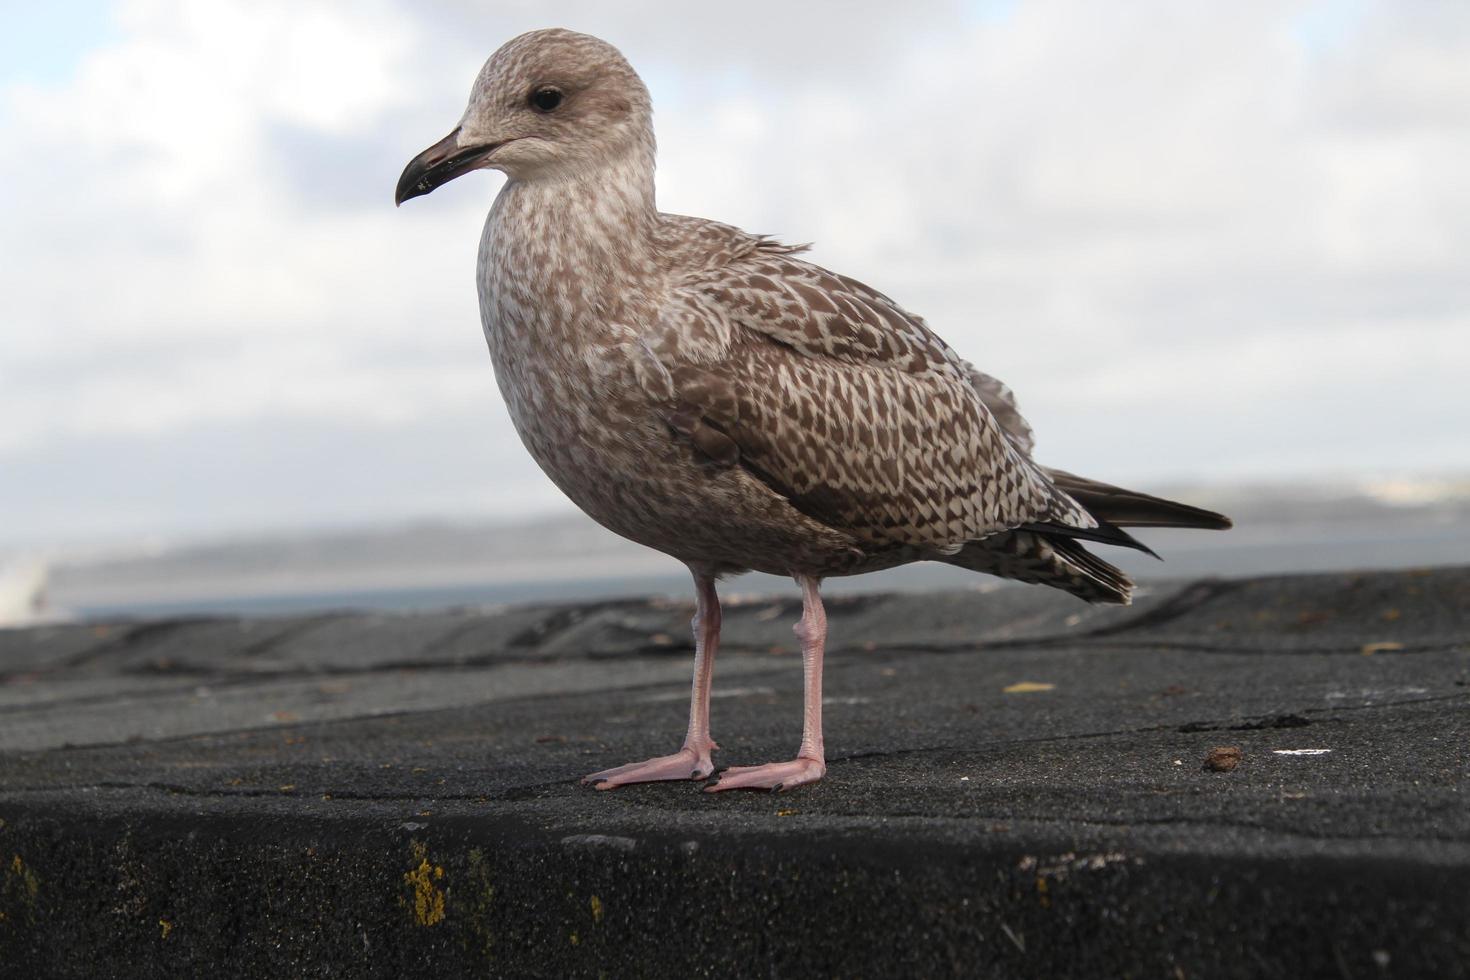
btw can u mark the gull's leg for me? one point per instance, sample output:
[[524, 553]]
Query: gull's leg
[[810, 764], [693, 760]]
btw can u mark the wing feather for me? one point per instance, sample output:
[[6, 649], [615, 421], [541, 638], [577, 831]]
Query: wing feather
[[1001, 401]]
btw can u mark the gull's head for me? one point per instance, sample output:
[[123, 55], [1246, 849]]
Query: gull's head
[[548, 103]]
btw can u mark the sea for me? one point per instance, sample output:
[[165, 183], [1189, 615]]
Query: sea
[[426, 565]]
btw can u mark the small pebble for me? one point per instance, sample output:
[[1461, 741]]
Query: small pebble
[[1222, 758]]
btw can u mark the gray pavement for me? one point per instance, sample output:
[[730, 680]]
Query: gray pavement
[[1016, 787]]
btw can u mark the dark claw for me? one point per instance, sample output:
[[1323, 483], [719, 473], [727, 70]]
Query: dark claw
[[778, 787]]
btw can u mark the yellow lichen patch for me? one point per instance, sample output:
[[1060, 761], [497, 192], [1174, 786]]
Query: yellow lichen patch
[[428, 898], [1028, 687], [25, 876], [19, 887], [596, 909], [166, 926], [574, 939]]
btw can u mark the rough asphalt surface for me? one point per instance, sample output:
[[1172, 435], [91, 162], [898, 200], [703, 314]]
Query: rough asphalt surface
[[1017, 786]]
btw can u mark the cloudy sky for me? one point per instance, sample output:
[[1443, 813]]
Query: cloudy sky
[[1202, 241]]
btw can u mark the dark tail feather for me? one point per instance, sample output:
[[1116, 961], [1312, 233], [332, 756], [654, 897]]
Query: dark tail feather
[[1027, 556], [1117, 587], [1116, 508], [1052, 554], [1105, 532], [1128, 508]]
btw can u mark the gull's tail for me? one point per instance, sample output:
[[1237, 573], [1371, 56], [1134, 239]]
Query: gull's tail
[[1052, 554], [1129, 508]]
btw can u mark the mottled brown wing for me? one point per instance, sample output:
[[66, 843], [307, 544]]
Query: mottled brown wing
[[702, 247], [850, 407]]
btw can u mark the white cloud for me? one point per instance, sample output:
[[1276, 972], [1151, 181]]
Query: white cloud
[[161, 274]]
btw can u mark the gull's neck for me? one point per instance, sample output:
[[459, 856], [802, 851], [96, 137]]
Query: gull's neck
[[596, 223]]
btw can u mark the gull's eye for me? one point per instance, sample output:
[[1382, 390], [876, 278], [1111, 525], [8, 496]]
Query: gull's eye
[[545, 99]]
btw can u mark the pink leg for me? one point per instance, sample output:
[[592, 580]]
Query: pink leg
[[810, 764], [693, 760]]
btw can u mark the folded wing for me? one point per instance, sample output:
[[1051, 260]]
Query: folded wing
[[849, 406]]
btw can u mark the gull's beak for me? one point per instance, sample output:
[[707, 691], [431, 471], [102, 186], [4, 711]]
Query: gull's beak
[[440, 164]]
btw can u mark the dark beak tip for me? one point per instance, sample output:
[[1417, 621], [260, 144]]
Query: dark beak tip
[[439, 164], [409, 184]]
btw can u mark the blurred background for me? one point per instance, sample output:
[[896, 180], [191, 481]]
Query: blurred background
[[1219, 252]]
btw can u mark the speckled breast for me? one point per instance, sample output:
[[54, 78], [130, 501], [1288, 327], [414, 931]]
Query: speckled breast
[[579, 422]]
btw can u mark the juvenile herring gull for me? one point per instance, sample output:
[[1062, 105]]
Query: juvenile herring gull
[[711, 394]]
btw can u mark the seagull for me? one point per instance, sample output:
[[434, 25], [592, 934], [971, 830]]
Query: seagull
[[714, 395]]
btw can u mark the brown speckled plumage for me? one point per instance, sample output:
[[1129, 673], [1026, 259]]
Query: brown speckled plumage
[[712, 394]]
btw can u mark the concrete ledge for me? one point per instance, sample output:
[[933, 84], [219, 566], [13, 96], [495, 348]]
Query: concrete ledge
[[1016, 788]]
